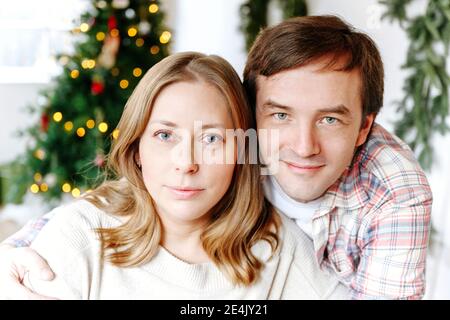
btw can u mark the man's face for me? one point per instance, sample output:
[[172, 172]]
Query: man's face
[[318, 115]]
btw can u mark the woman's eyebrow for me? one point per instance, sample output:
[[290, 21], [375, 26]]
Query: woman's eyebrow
[[171, 124], [213, 125], [165, 122]]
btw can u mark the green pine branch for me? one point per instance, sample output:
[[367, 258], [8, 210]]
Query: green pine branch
[[424, 107], [254, 16]]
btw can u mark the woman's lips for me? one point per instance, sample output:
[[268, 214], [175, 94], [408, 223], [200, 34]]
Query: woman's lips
[[184, 193]]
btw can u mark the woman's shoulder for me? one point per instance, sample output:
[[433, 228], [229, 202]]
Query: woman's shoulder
[[295, 239], [296, 245], [74, 224], [83, 213]]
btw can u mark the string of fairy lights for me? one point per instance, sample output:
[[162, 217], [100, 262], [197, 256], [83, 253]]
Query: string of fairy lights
[[39, 184]]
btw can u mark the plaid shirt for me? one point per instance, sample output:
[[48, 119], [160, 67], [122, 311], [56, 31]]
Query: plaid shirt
[[25, 236], [372, 226]]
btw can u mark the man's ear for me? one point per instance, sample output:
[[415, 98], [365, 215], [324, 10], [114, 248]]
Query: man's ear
[[365, 129]]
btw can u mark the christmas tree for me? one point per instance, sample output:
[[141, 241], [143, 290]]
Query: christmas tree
[[118, 40]]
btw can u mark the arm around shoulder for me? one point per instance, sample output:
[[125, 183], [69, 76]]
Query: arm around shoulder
[[68, 244], [394, 249]]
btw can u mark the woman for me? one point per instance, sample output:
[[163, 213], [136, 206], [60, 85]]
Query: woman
[[181, 221]]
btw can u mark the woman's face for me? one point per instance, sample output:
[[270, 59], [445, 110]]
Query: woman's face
[[183, 151]]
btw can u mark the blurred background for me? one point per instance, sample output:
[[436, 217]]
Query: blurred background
[[68, 66]]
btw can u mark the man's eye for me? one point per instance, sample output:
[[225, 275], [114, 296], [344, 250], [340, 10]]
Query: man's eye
[[330, 120], [212, 138], [280, 116]]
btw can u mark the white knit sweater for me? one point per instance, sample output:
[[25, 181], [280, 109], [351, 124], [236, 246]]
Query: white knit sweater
[[71, 248]]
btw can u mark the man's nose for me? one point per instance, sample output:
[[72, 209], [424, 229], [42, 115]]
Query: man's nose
[[306, 142]]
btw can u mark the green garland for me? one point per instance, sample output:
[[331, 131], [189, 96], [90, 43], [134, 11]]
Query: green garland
[[424, 108], [254, 15]]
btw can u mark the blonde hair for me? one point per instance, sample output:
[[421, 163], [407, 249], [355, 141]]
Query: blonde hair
[[239, 220]]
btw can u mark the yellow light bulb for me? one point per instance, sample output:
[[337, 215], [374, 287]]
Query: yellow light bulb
[[123, 84], [84, 27], [74, 74], [37, 177], [76, 192], [34, 188], [103, 127], [81, 132], [44, 187], [114, 32], [139, 42], [91, 64], [165, 37], [40, 154], [153, 8], [68, 126], [57, 116], [137, 72], [100, 36], [66, 187], [132, 32], [154, 49], [90, 124], [115, 134]]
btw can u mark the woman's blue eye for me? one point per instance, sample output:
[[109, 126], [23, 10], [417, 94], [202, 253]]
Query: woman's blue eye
[[212, 139], [164, 136], [280, 116]]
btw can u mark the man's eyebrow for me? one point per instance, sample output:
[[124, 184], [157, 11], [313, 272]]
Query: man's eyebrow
[[270, 104], [339, 109]]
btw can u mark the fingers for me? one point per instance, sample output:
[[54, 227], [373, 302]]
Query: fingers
[[31, 261], [19, 292], [15, 263]]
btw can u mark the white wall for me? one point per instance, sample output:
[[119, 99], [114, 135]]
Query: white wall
[[13, 99], [210, 27]]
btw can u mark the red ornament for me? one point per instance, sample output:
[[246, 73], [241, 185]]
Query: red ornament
[[112, 23], [44, 122], [97, 87], [99, 160]]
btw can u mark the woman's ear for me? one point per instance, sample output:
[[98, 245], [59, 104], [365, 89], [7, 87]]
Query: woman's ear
[[137, 160], [365, 129]]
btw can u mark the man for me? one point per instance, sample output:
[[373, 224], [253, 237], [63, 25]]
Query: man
[[355, 189]]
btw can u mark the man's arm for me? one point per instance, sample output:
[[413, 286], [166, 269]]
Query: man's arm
[[16, 259], [394, 250], [25, 236]]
